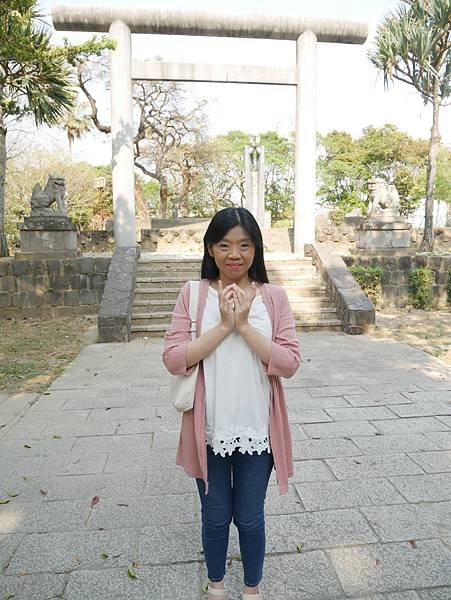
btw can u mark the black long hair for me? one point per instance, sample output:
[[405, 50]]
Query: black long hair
[[220, 224]]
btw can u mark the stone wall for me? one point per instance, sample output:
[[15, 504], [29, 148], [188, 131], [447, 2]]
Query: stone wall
[[52, 287], [395, 278], [344, 236], [101, 240]]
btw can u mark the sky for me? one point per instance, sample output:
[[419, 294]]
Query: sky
[[350, 91]]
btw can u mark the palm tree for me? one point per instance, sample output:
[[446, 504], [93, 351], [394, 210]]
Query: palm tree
[[413, 45], [34, 79], [76, 124]]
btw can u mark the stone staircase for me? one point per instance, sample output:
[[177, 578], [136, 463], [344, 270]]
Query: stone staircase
[[159, 280]]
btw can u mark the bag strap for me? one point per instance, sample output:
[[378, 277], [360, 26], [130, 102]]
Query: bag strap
[[193, 302]]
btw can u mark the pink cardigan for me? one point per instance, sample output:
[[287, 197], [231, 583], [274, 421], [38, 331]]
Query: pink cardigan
[[284, 361]]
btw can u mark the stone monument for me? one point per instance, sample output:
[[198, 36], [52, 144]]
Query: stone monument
[[384, 227], [254, 179], [48, 232]]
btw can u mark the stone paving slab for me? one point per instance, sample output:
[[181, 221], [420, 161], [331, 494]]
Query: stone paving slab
[[33, 586], [348, 493], [424, 488], [63, 551], [392, 566], [369, 502], [25, 489], [395, 444], [44, 517], [104, 485], [410, 521], [321, 529]]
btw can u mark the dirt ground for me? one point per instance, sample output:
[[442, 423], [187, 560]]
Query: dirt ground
[[428, 330], [33, 352]]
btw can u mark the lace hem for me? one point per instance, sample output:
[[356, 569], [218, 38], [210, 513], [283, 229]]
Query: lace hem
[[226, 445]]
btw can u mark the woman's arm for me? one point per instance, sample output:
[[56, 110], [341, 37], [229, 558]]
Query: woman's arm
[[285, 356], [181, 353], [260, 344]]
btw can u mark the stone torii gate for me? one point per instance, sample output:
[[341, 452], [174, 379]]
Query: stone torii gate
[[122, 22]]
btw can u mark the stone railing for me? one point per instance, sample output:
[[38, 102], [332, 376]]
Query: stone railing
[[115, 314], [354, 308], [52, 287]]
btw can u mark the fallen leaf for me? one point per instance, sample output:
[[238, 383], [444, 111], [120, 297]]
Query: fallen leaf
[[9, 596], [95, 500], [205, 587], [104, 556], [43, 492], [238, 557], [131, 573], [23, 573], [26, 446], [377, 562], [414, 543], [3, 501], [56, 437], [77, 559], [121, 504], [11, 494], [299, 547]]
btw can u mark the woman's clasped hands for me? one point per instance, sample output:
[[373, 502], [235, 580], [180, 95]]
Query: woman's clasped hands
[[235, 304]]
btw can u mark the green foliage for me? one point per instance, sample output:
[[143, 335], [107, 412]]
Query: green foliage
[[34, 79], [369, 279], [412, 45], [345, 165], [420, 287], [222, 180], [87, 206]]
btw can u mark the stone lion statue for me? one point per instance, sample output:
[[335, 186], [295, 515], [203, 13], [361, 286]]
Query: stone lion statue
[[43, 199], [383, 199]]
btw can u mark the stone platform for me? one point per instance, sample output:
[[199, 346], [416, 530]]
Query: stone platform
[[87, 470]]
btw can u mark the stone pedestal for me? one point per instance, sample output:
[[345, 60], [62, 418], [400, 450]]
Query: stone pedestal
[[382, 234], [48, 237]]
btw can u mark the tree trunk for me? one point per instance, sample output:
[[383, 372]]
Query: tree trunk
[[164, 197], [427, 245], [3, 243], [448, 215]]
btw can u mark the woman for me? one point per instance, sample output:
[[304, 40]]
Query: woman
[[238, 426]]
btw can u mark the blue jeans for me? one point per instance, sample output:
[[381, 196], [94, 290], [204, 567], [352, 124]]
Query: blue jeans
[[243, 499]]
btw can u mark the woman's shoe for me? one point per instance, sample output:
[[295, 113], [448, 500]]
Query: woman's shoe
[[252, 596], [217, 593]]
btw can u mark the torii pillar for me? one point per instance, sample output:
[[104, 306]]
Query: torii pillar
[[121, 22]]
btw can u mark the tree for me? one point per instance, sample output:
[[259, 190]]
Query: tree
[[76, 124], [167, 126], [87, 205], [345, 166], [35, 77], [33, 80], [279, 175], [413, 45]]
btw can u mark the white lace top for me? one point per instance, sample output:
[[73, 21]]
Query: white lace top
[[237, 389]]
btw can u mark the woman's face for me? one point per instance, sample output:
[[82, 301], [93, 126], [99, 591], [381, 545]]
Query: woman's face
[[234, 254]]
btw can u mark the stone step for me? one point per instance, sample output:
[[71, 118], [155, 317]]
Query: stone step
[[194, 272], [192, 261], [158, 330], [163, 304], [294, 292], [282, 279], [150, 318]]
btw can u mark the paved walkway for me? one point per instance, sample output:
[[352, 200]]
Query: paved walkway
[[369, 507]]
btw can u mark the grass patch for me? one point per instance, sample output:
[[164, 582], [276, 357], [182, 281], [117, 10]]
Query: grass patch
[[33, 352]]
